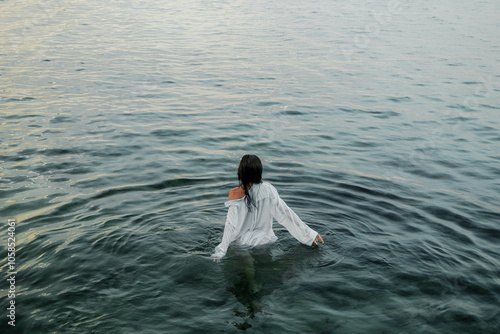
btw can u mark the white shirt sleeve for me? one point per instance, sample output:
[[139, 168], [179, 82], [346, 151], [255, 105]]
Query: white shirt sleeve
[[289, 219], [230, 232]]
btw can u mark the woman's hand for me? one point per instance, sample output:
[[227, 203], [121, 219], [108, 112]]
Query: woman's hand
[[318, 238]]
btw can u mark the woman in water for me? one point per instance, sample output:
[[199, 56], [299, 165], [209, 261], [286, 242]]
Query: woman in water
[[252, 207]]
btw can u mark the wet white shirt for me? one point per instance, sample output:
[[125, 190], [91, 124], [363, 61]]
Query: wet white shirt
[[255, 227]]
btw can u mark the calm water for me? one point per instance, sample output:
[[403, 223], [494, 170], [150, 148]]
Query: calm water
[[122, 124]]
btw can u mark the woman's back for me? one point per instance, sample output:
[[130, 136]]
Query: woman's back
[[253, 225]]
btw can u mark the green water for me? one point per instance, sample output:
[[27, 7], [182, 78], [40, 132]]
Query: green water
[[122, 124]]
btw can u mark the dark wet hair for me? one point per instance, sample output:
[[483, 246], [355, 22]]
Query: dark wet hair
[[249, 171]]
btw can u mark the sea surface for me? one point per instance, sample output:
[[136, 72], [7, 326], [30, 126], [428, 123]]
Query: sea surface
[[122, 124]]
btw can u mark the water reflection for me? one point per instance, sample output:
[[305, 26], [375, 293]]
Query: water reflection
[[253, 274]]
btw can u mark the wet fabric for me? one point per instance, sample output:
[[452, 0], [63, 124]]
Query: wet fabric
[[254, 227]]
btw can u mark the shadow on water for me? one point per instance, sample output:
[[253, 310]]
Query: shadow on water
[[253, 274]]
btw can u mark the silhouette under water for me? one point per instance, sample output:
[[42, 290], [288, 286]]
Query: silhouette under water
[[252, 274]]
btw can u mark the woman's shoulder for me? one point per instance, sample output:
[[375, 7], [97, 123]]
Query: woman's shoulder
[[236, 193], [267, 184], [263, 189], [266, 188]]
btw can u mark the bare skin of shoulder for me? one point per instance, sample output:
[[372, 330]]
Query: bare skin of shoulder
[[236, 193]]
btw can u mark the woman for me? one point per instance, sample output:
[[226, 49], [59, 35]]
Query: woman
[[252, 207]]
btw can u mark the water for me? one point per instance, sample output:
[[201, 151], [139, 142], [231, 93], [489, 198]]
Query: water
[[122, 124]]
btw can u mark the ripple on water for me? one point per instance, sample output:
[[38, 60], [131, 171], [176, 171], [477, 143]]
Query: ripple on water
[[19, 99], [63, 119]]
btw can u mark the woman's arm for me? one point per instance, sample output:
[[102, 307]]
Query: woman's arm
[[297, 228], [227, 238], [230, 232]]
